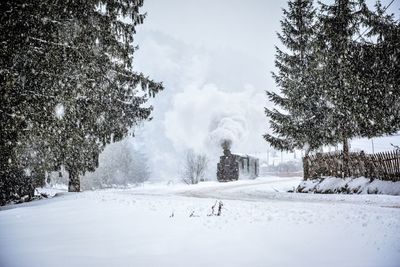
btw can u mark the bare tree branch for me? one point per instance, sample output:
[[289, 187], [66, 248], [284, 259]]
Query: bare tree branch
[[194, 167]]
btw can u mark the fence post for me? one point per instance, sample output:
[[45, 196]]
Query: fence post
[[346, 158]]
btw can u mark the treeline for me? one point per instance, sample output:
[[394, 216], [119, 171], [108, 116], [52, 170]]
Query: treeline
[[338, 75], [67, 87]]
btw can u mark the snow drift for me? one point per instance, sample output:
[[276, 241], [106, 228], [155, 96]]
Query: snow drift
[[361, 185]]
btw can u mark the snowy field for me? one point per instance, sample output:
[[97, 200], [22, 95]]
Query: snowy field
[[261, 225]]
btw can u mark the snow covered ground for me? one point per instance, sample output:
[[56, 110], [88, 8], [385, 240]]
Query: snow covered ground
[[261, 225], [360, 185]]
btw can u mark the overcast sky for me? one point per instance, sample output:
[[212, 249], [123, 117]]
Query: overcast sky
[[214, 58]]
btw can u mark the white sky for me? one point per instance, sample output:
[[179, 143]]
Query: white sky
[[213, 56]]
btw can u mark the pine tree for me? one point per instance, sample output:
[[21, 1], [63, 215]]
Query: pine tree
[[68, 85], [20, 112], [340, 22], [377, 66], [108, 104], [351, 84], [301, 123]]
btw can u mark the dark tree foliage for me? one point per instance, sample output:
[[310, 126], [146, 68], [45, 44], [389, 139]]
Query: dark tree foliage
[[335, 84], [18, 110], [302, 121], [68, 85], [377, 65], [339, 24]]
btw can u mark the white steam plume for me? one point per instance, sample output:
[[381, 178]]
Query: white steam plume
[[201, 119], [229, 127]]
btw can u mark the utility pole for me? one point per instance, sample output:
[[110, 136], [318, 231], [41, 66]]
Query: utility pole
[[373, 148]]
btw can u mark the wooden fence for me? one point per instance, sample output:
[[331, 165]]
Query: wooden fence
[[383, 166]]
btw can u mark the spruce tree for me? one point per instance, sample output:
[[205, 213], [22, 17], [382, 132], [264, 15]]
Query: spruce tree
[[21, 112], [301, 121], [108, 103], [377, 66], [340, 22], [68, 85]]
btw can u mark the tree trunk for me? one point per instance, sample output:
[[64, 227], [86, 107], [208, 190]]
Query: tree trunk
[[306, 167], [74, 184], [346, 167]]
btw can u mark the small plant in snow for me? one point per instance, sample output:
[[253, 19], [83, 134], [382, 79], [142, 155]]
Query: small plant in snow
[[192, 214], [220, 205], [216, 211], [213, 209]]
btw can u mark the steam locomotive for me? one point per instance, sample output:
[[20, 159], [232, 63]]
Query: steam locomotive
[[231, 167]]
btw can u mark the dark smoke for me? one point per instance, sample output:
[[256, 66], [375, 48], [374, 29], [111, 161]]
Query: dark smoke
[[226, 144]]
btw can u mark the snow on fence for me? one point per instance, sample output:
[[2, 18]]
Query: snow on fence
[[383, 166]]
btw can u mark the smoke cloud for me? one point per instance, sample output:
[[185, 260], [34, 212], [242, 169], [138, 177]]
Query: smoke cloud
[[202, 119], [227, 128], [208, 99]]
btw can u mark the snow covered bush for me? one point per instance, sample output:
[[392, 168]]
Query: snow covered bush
[[120, 164], [361, 185]]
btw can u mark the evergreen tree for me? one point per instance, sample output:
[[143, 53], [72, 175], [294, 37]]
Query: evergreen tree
[[107, 104], [21, 23], [340, 22], [333, 86], [301, 124], [68, 85], [376, 64]]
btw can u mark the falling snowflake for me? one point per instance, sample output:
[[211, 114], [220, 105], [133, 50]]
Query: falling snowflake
[[59, 111]]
